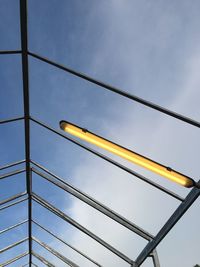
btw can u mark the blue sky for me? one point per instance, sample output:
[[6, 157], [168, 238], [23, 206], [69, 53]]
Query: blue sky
[[147, 48]]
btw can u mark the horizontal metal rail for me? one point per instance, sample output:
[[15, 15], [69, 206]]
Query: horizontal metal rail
[[11, 164], [95, 204], [14, 245], [11, 120], [14, 203], [9, 174], [119, 91], [55, 253], [5, 201], [13, 226], [14, 259], [42, 259], [9, 52], [175, 217], [68, 219], [113, 162], [67, 244]]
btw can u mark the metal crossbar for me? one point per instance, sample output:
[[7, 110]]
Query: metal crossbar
[[31, 166]]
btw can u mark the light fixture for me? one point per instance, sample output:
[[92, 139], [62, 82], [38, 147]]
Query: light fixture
[[127, 154]]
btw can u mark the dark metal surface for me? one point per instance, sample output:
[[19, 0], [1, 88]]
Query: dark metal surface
[[9, 174], [67, 244], [25, 77], [10, 52], [42, 259], [115, 163], [12, 227], [14, 203], [11, 120], [11, 165], [118, 91], [95, 204], [55, 253], [14, 245], [66, 218], [14, 259], [12, 198], [179, 212]]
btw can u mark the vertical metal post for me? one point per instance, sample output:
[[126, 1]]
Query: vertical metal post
[[25, 74]]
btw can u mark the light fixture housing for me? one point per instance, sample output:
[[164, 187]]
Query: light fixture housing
[[127, 154]]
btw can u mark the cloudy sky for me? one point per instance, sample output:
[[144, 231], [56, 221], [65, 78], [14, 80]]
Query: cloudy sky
[[147, 48]]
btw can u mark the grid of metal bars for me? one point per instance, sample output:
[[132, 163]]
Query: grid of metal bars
[[33, 167]]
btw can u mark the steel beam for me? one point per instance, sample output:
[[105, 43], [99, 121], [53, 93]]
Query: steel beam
[[68, 219], [119, 91], [11, 165], [14, 245], [25, 76], [55, 253], [155, 259], [5, 201], [11, 120], [14, 259], [14, 203], [9, 174], [95, 204], [113, 162], [67, 244], [179, 212], [12, 227], [10, 52], [42, 259]]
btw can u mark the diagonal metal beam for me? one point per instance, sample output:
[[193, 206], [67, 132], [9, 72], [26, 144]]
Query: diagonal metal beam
[[42, 259], [68, 219], [5, 201], [12, 227], [14, 203], [25, 76], [14, 259], [11, 120], [14, 245], [155, 259], [119, 91], [9, 174], [11, 164], [55, 253], [10, 52], [67, 244], [179, 212], [95, 204], [113, 162]]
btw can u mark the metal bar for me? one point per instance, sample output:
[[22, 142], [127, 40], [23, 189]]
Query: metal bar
[[25, 76], [42, 259], [66, 218], [115, 163], [55, 253], [12, 227], [25, 264], [14, 203], [95, 204], [9, 174], [34, 264], [119, 92], [14, 259], [11, 164], [11, 120], [155, 259], [14, 197], [13, 245], [10, 52], [67, 244], [179, 212]]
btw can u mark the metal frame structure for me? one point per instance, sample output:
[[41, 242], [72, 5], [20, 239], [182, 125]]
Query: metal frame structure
[[33, 167]]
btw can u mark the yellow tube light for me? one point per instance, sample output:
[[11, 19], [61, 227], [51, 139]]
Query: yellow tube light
[[127, 154]]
